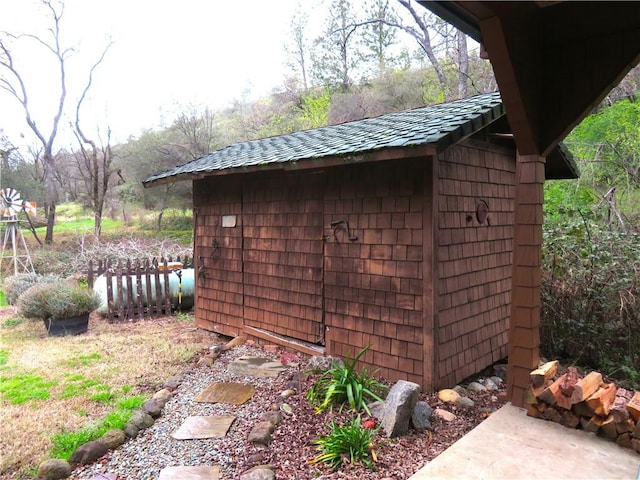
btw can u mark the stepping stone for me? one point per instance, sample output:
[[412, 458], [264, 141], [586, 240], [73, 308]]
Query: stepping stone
[[226, 392], [201, 472], [204, 427], [256, 367]]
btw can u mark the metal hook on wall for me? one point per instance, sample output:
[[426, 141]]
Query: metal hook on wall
[[344, 226], [215, 247]]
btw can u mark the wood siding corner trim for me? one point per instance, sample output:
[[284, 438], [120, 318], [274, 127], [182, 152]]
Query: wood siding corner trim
[[430, 274]]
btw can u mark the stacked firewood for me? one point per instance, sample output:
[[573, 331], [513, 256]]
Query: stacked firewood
[[588, 403]]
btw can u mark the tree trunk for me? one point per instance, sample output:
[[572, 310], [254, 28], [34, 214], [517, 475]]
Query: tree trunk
[[50, 208], [463, 64]]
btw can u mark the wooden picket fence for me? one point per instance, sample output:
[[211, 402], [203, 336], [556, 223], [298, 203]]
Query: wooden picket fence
[[151, 278]]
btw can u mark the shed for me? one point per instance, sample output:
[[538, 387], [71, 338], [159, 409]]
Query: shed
[[394, 232]]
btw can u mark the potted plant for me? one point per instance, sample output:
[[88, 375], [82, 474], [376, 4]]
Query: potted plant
[[64, 306]]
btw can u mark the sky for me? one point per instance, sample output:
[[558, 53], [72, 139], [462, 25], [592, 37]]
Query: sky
[[165, 54]]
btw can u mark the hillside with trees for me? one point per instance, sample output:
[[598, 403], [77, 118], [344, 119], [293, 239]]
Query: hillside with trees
[[370, 58]]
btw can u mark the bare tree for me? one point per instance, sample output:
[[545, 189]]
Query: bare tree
[[96, 165], [463, 64], [297, 48], [12, 81], [422, 34], [197, 132]]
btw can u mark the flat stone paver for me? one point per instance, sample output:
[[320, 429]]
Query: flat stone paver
[[190, 473], [256, 367], [226, 392], [204, 427], [510, 445]]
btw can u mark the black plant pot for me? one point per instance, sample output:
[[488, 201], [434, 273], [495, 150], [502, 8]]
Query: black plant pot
[[59, 327]]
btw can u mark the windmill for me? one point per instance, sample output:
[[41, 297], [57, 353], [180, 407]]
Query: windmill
[[14, 241]]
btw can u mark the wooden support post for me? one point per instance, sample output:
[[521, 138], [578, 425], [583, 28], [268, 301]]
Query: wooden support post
[[524, 334]]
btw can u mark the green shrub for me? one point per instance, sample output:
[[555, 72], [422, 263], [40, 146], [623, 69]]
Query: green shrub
[[59, 299], [16, 285], [590, 292], [352, 443], [342, 384]]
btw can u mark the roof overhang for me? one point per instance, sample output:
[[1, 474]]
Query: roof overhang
[[554, 61]]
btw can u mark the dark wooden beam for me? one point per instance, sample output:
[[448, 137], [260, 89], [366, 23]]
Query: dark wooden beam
[[553, 61]]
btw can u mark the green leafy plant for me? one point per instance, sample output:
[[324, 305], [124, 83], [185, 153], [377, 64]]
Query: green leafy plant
[[343, 384], [348, 443], [591, 290], [60, 299]]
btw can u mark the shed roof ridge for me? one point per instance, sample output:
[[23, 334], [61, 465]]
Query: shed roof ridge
[[418, 126]]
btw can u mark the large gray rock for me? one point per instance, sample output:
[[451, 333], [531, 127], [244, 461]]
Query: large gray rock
[[89, 452], [396, 412], [141, 419], [261, 433], [154, 407], [323, 363], [491, 385], [54, 469], [259, 472], [113, 438], [421, 416], [465, 402], [130, 430], [476, 387]]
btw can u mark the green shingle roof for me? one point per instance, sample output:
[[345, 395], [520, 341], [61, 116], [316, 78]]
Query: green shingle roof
[[439, 125]]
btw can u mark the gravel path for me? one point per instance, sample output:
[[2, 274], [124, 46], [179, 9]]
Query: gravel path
[[153, 449], [291, 449]]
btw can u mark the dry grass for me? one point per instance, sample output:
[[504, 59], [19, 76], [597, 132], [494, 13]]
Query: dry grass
[[138, 356]]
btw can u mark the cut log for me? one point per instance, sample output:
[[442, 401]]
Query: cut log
[[531, 394], [608, 428], [583, 410], [586, 387], [633, 406], [546, 372], [624, 440], [626, 426], [602, 399], [552, 414], [619, 407], [591, 425], [569, 382], [569, 419], [533, 411], [553, 396]]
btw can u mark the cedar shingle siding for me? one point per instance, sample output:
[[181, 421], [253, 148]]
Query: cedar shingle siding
[[284, 269], [474, 260], [370, 233]]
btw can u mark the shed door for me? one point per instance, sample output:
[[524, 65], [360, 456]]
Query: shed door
[[283, 255]]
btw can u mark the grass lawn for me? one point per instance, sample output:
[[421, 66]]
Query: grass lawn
[[50, 386]]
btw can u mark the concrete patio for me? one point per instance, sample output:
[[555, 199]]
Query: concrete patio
[[511, 445]]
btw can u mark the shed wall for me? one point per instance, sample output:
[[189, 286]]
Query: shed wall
[[474, 259], [218, 256], [375, 290], [374, 285]]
